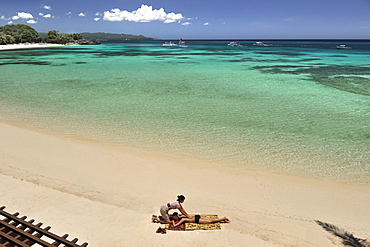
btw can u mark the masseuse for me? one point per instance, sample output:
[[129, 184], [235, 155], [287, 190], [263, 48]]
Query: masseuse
[[172, 205]]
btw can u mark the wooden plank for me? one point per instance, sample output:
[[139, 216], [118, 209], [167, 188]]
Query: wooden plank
[[31, 231], [5, 243], [17, 223], [9, 219], [57, 243], [26, 236], [14, 223], [23, 227], [12, 240]]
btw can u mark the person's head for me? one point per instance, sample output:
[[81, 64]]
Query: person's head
[[175, 216], [181, 198]]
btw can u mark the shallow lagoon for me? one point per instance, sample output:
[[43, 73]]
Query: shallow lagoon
[[300, 107]]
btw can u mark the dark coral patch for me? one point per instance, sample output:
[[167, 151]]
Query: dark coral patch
[[24, 62], [347, 78]]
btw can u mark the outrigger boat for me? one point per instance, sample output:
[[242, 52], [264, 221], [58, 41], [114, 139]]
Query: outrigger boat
[[343, 47], [233, 43], [169, 44], [259, 44]]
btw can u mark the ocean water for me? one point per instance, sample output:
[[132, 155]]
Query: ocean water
[[298, 107]]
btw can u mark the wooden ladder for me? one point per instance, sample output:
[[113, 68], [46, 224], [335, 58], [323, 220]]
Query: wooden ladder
[[16, 232]]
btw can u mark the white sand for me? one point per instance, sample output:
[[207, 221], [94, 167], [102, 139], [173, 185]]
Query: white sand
[[27, 46], [105, 195]]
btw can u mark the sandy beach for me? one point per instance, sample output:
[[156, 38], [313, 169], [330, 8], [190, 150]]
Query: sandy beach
[[105, 195], [27, 46]]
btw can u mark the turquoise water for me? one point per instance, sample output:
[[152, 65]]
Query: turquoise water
[[299, 107]]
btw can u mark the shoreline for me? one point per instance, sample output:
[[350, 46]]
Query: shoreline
[[97, 191], [27, 46]]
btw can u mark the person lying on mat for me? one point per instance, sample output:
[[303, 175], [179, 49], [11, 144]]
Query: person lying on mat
[[199, 220], [176, 216], [173, 217], [165, 218]]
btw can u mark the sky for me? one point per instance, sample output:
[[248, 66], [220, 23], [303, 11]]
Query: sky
[[196, 19]]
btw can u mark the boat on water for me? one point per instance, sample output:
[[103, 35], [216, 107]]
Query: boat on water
[[233, 43], [182, 43], [343, 47], [260, 44], [169, 44]]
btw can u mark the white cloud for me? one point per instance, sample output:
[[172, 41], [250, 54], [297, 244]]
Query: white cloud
[[31, 22], [81, 14], [206, 24], [46, 7], [69, 13], [143, 14], [96, 19], [46, 15], [98, 14], [186, 23], [10, 22], [5, 19], [22, 15], [172, 17]]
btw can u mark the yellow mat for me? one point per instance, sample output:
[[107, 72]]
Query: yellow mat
[[195, 226]]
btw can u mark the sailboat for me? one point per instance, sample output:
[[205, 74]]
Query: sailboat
[[182, 43]]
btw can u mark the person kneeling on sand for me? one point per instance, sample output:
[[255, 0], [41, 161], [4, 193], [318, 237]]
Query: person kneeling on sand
[[198, 219], [174, 217], [164, 217]]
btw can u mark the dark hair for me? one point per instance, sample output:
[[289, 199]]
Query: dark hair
[[175, 216], [181, 198]]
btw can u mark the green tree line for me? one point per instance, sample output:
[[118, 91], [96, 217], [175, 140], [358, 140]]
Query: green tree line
[[21, 33], [61, 38]]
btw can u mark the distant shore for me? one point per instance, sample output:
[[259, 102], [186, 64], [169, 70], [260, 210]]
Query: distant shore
[[27, 46]]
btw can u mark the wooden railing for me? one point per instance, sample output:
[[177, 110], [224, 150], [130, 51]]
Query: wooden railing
[[16, 231]]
